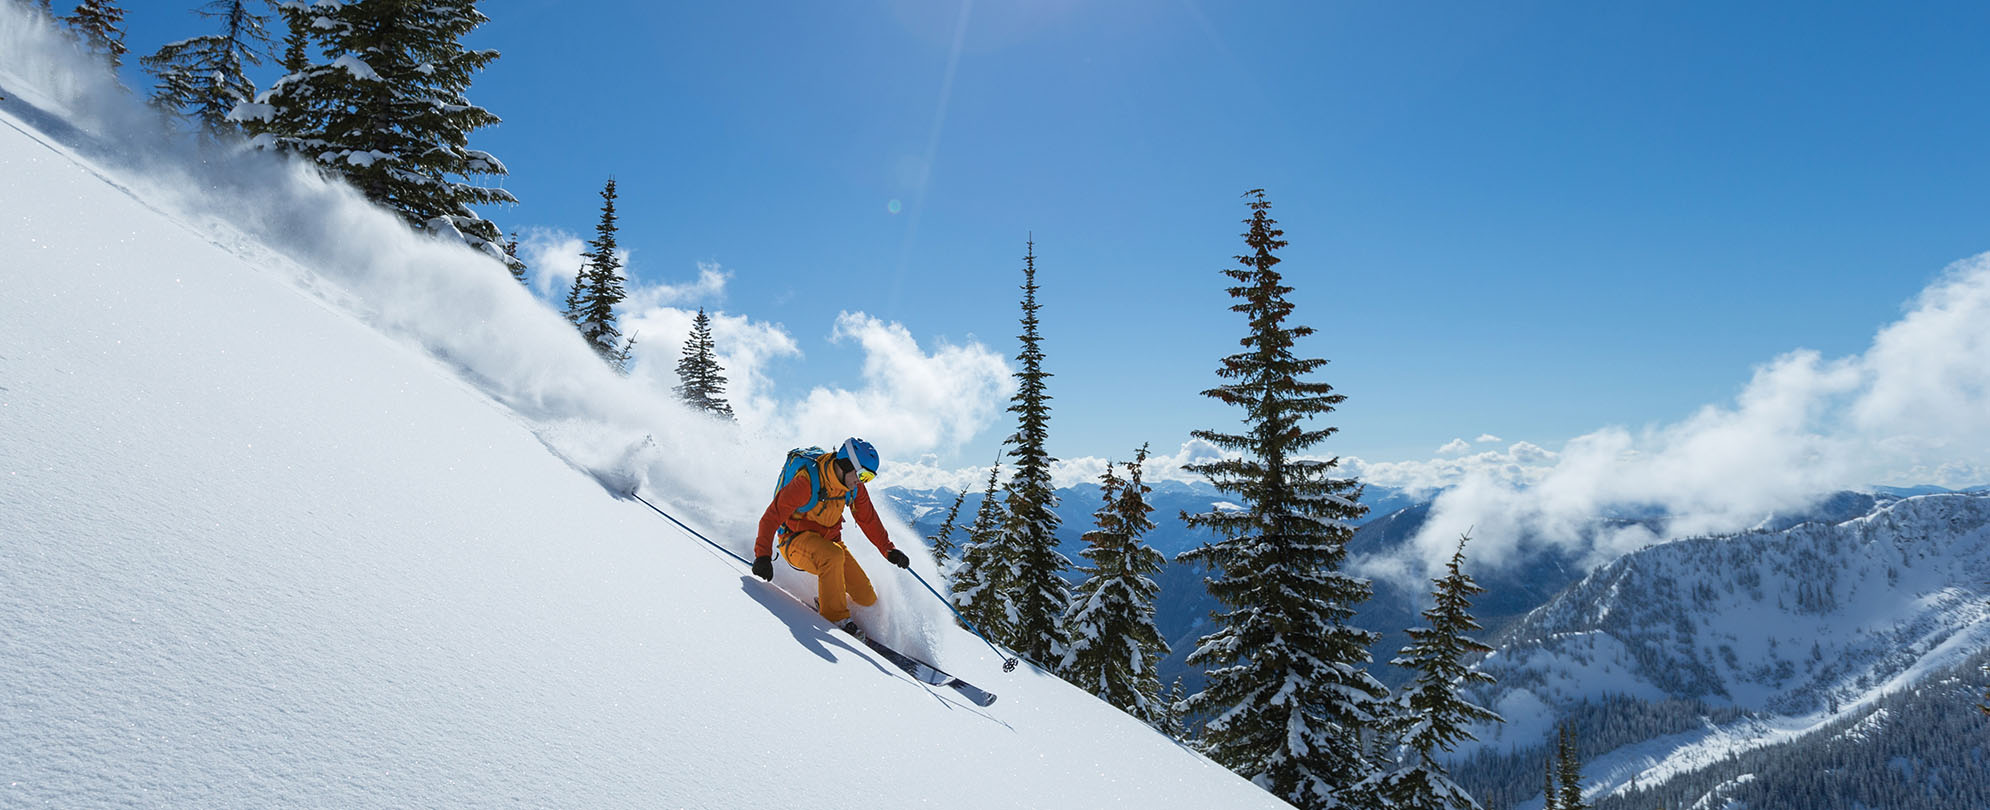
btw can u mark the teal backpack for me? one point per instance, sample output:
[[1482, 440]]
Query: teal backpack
[[805, 458]]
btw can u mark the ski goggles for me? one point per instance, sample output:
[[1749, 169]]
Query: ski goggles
[[865, 476]]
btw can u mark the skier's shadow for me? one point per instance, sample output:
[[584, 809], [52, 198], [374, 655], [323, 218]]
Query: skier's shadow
[[802, 623]]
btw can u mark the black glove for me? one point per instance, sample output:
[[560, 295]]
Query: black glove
[[763, 567], [898, 558]]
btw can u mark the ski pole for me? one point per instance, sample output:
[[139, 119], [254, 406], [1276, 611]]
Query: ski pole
[[694, 532], [1008, 661]]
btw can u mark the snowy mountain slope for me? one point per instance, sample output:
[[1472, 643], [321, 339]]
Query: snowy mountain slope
[[312, 515], [1780, 633]]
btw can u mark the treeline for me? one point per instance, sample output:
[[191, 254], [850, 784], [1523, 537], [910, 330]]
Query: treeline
[[1911, 750], [1289, 702]]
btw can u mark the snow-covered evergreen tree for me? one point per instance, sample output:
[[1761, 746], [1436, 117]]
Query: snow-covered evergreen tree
[[1288, 691], [516, 265], [1568, 771], [388, 112], [1036, 587], [1177, 721], [942, 539], [1115, 648], [98, 24], [205, 78], [981, 577], [702, 379], [1432, 715], [571, 309], [599, 285], [1551, 796]]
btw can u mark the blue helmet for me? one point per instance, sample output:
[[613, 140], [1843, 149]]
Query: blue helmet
[[860, 455]]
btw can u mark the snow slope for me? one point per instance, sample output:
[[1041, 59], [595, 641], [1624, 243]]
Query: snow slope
[[298, 509], [1796, 629]]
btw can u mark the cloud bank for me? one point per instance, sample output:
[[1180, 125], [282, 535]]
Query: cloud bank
[[1913, 408]]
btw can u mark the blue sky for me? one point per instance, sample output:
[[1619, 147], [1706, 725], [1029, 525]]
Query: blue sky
[[1529, 220]]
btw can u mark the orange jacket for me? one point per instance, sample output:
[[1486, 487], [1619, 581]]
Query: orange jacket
[[826, 518]]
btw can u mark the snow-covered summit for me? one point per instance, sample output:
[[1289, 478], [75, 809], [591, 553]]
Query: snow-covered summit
[[1765, 637]]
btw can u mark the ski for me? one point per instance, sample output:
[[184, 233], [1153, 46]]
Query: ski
[[930, 674]]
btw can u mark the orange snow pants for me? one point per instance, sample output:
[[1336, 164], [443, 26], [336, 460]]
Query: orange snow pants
[[836, 574]]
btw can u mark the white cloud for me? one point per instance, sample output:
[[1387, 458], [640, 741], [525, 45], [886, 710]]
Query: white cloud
[[1487, 438], [1454, 447], [1913, 408], [1158, 467], [710, 286], [912, 401], [1520, 465]]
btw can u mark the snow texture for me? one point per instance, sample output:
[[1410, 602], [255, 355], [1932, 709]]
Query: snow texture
[[303, 509]]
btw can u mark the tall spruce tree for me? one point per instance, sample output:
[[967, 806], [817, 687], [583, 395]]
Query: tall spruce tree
[[387, 111], [942, 540], [600, 285], [1568, 770], [1551, 796], [205, 78], [981, 577], [702, 379], [1432, 715], [1288, 689], [1036, 587], [1115, 647], [99, 26]]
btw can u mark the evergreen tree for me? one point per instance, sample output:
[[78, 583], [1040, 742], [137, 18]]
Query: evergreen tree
[[942, 540], [703, 380], [1568, 771], [1115, 648], [1287, 687], [516, 265], [620, 362], [599, 284], [203, 77], [1036, 587], [387, 112], [981, 577], [1177, 721], [571, 309], [296, 42], [98, 24], [1432, 715], [1548, 786]]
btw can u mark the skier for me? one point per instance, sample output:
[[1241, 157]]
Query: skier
[[807, 514]]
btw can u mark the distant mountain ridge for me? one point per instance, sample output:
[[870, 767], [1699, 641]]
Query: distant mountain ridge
[[1773, 644]]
